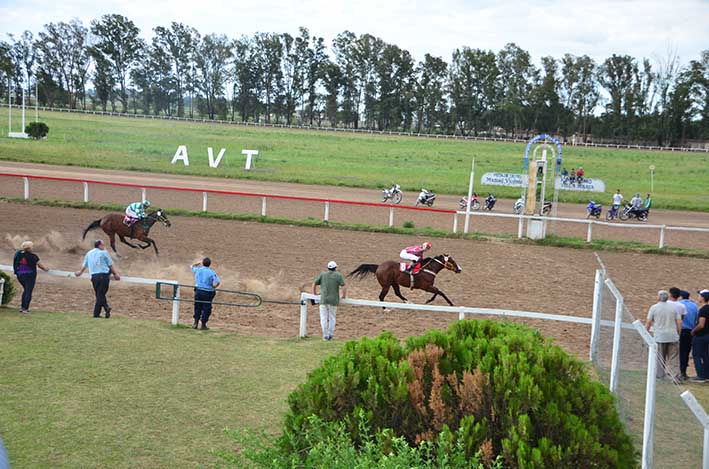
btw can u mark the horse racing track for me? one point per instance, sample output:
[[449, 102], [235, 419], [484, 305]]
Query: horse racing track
[[279, 261]]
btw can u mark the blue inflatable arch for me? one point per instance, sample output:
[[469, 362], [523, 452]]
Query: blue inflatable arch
[[536, 140]]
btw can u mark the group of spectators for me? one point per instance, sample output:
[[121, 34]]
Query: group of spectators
[[680, 326], [575, 176]]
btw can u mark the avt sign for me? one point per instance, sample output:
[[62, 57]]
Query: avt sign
[[504, 179]]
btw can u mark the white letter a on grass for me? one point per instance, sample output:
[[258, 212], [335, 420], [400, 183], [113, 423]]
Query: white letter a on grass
[[181, 154], [210, 153]]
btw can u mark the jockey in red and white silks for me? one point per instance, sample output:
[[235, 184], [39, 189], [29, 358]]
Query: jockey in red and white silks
[[414, 253]]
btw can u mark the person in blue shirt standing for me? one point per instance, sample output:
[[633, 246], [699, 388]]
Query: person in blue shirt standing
[[206, 281], [685, 339], [100, 267]]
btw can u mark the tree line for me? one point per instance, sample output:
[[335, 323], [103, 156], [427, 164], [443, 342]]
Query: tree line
[[357, 82]]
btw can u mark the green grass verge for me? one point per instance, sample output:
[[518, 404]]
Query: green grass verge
[[345, 159], [551, 240], [84, 392]]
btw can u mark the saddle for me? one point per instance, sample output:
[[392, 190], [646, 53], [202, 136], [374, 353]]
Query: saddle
[[129, 221], [403, 266]]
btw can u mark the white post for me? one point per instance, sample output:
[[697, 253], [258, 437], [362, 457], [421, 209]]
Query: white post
[[204, 201], [327, 212], [520, 227], [662, 237], [86, 192], [9, 107], [143, 195], [461, 315], [27, 187], [589, 233], [36, 101], [615, 360], [455, 223], [701, 415], [23, 110], [303, 316], [176, 306], [2, 288], [649, 423], [596, 315], [263, 206], [391, 216], [466, 227]]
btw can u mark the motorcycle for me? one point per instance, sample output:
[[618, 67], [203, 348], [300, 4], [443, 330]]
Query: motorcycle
[[474, 204], [628, 213], [394, 193], [519, 206], [426, 197], [593, 209], [490, 203], [612, 213]]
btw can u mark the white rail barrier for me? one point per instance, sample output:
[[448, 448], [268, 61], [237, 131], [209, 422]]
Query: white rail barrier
[[460, 310], [124, 279]]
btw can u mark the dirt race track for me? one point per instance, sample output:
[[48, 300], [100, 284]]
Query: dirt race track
[[279, 260], [12, 187]]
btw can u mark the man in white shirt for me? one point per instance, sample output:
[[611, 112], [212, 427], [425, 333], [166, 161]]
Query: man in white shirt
[[667, 323], [675, 301]]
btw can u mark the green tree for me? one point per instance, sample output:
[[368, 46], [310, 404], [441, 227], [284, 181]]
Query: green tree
[[475, 88], [578, 90], [430, 94], [178, 42], [213, 54], [270, 52], [518, 78]]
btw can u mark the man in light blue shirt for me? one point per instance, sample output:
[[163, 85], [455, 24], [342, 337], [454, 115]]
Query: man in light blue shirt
[[206, 281], [100, 266], [685, 339]]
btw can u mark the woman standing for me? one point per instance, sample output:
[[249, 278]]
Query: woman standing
[[25, 265]]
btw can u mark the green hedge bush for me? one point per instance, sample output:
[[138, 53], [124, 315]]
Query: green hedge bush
[[37, 130], [500, 389], [9, 288]]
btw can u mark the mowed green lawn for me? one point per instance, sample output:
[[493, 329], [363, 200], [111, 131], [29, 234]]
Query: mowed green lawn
[[84, 392], [341, 158]]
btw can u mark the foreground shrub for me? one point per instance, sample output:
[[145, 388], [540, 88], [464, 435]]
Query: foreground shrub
[[9, 288], [37, 130], [498, 389]]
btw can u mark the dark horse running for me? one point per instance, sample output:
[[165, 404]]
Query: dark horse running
[[112, 224], [389, 276]]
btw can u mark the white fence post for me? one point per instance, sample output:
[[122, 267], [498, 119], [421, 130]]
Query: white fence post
[[176, 306], [263, 206], [303, 316], [204, 201], [461, 315], [2, 288], [701, 415], [520, 227], [596, 316], [589, 233], [615, 360], [143, 194], [391, 216], [662, 236], [327, 212], [649, 423], [86, 192], [455, 223], [27, 187]]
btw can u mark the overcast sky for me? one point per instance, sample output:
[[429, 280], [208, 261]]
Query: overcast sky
[[599, 28]]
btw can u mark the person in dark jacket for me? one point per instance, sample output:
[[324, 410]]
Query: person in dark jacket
[[25, 266]]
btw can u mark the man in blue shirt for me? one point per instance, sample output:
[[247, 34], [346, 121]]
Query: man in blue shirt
[[206, 281], [100, 267], [685, 338]]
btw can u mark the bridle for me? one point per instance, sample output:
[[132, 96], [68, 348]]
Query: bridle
[[446, 265]]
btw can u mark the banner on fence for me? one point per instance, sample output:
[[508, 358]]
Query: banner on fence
[[588, 185], [504, 179]]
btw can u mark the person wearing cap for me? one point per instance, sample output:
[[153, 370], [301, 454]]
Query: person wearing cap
[[685, 337], [700, 340], [206, 282], [100, 266], [414, 254], [330, 283], [25, 265], [667, 324]]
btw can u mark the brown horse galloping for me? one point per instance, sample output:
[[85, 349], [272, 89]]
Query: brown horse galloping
[[112, 224], [389, 275]]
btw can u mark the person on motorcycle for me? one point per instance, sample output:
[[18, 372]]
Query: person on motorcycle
[[414, 254], [136, 211], [636, 204], [648, 203], [490, 201]]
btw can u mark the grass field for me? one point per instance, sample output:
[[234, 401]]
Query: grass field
[[84, 392], [341, 158]]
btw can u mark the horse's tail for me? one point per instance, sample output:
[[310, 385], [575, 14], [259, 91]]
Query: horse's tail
[[363, 270], [92, 226]]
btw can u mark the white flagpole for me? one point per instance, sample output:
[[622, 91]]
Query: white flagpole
[[470, 197]]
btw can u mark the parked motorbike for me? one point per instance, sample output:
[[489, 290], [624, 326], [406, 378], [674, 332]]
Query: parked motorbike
[[474, 204], [425, 197], [612, 213], [521, 202], [490, 202], [593, 209], [393, 193], [628, 213]]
